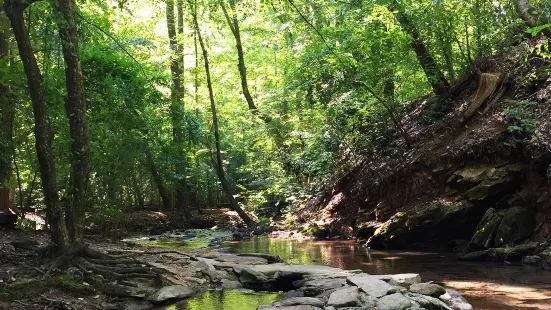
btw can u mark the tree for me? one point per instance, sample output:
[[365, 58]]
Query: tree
[[435, 76], [6, 114], [531, 16], [177, 108], [218, 163], [42, 127], [75, 106], [233, 23]]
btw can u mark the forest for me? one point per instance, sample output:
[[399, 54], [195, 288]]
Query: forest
[[401, 124]]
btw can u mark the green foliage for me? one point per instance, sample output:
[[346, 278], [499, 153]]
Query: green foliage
[[521, 114], [308, 86]]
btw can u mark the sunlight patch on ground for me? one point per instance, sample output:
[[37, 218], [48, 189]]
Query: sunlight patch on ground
[[504, 296]]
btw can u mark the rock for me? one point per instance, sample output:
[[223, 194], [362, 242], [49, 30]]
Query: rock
[[298, 307], [518, 223], [496, 181], [387, 234], [404, 279], [437, 221], [271, 259], [230, 285], [326, 284], [171, 292], [291, 294], [135, 305], [484, 235], [300, 301], [455, 301], [216, 275], [395, 301], [510, 254], [249, 275], [203, 265], [368, 301], [429, 289], [428, 302], [367, 229], [545, 256], [345, 297], [235, 259], [371, 285], [533, 260]]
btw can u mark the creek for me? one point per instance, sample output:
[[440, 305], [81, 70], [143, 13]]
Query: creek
[[484, 285]]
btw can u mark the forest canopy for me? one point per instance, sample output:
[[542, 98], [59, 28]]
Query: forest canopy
[[193, 104]]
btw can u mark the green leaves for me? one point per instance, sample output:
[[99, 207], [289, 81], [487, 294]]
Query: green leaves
[[536, 30]]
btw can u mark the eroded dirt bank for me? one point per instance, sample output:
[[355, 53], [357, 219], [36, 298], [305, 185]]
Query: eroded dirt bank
[[476, 180]]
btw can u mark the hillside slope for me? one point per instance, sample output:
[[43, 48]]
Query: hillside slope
[[486, 158]]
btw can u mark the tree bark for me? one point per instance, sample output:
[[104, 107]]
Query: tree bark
[[6, 109], [158, 180], [75, 107], [218, 163], [42, 129], [177, 107], [532, 17], [233, 23], [6, 119], [435, 76]]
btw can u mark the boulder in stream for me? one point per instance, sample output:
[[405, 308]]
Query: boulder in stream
[[171, 292]]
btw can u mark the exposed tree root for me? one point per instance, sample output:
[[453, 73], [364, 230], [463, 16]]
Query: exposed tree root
[[141, 252], [112, 275]]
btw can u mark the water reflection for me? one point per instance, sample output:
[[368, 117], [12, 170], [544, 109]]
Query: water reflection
[[486, 285], [227, 300]]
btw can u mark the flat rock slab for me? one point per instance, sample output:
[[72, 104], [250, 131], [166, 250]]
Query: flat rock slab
[[428, 302], [300, 269], [300, 307], [430, 289], [171, 292], [404, 279], [455, 300], [371, 285], [326, 284], [345, 297], [235, 259], [395, 301], [295, 301]]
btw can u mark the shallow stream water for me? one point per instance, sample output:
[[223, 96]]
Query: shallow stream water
[[485, 285]]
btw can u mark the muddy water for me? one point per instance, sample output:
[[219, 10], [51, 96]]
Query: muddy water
[[485, 285]]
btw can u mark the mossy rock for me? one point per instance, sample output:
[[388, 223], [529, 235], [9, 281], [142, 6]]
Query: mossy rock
[[518, 223], [485, 233], [510, 254], [317, 231]]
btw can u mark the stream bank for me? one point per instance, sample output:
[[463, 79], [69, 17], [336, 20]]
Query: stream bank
[[188, 273]]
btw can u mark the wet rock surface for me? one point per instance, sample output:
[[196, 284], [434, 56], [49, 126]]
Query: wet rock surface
[[312, 287]]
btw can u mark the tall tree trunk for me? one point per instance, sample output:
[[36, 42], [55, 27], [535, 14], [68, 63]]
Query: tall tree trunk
[[42, 129], [161, 188], [532, 17], [75, 107], [233, 23], [6, 119], [218, 163], [435, 76], [177, 107]]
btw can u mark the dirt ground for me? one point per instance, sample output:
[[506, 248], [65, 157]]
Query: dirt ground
[[25, 285]]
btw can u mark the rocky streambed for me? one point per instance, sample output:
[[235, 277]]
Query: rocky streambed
[[314, 287]]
